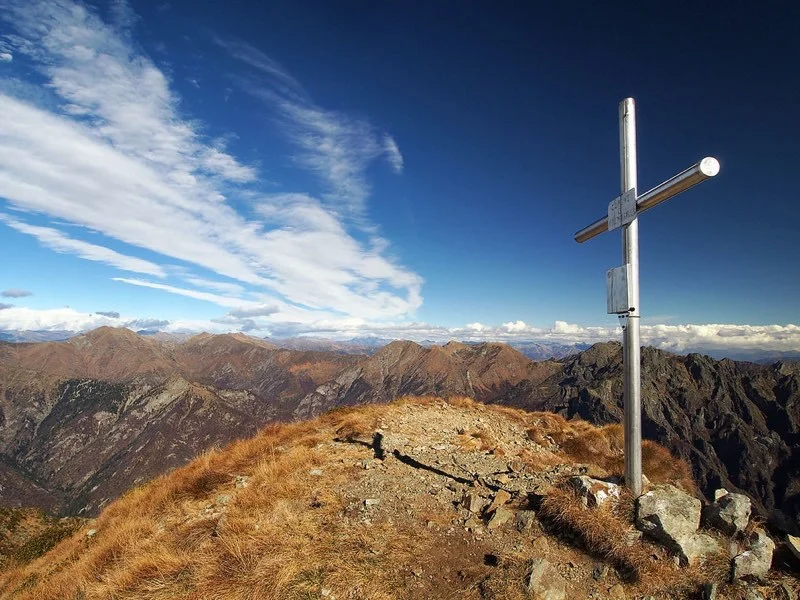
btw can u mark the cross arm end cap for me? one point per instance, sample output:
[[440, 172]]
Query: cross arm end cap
[[709, 166]]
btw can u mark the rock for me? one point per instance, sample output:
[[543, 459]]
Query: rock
[[524, 520], [730, 513], [473, 501], [794, 544], [600, 572], [516, 466], [473, 524], [710, 591], [757, 559], [544, 582], [696, 545], [500, 498], [372, 501], [668, 515], [315, 472], [541, 545], [594, 492], [617, 592], [91, 533], [672, 517], [501, 516], [242, 481]]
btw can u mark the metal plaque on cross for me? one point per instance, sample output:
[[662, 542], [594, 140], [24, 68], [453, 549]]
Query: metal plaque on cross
[[622, 210]]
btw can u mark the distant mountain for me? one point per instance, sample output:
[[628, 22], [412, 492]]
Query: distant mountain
[[84, 419], [485, 372], [546, 350], [34, 335], [358, 345]]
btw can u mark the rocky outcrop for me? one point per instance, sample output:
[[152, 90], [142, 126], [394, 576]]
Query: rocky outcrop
[[756, 560], [729, 513], [737, 424], [594, 492], [673, 517]]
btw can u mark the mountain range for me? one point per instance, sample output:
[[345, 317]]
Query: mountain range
[[84, 420], [534, 349]]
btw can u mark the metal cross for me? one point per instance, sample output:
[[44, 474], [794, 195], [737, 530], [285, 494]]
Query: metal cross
[[623, 282]]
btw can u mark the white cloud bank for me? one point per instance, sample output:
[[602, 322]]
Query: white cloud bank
[[116, 157], [675, 338]]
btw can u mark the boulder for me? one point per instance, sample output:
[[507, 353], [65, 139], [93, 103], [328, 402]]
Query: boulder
[[730, 513], [672, 517], [594, 492], [666, 514], [757, 559], [696, 545], [545, 582]]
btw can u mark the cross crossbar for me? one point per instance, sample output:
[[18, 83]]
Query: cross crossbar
[[697, 173]]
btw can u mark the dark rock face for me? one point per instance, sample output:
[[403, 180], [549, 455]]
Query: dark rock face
[[72, 439], [738, 424]]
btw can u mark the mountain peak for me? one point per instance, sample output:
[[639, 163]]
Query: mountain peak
[[329, 516]]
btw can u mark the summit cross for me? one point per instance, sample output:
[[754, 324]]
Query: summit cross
[[622, 291]]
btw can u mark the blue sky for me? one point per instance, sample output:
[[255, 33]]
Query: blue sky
[[404, 170]]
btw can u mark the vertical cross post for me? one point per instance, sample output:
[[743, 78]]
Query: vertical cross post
[[622, 292], [631, 350]]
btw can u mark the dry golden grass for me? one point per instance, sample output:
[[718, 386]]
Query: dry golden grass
[[603, 447], [284, 535], [601, 531], [608, 533]]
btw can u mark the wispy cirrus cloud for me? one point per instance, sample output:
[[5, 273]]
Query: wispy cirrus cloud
[[337, 147], [111, 152], [60, 242], [393, 154], [224, 287]]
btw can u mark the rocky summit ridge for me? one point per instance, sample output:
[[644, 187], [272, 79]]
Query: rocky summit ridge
[[84, 419], [421, 498]]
